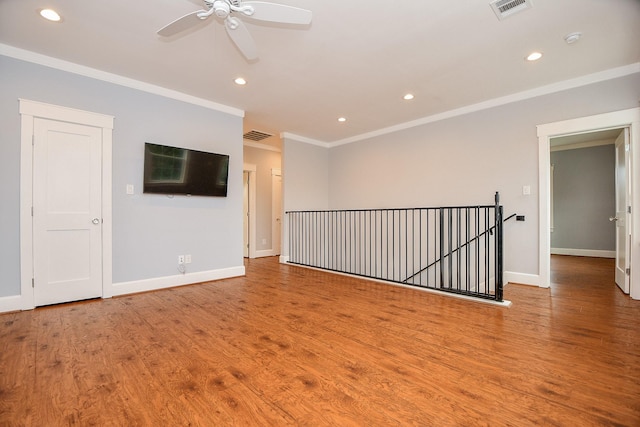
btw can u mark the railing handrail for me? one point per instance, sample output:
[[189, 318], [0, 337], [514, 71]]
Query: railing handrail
[[464, 243], [467, 243], [392, 209]]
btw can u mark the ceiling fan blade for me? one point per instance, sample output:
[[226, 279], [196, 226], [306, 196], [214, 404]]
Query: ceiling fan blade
[[240, 35], [181, 24], [280, 13]]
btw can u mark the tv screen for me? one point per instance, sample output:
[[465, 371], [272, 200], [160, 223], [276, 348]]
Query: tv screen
[[173, 170]]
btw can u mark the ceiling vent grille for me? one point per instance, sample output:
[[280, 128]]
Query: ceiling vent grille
[[505, 8], [256, 135]]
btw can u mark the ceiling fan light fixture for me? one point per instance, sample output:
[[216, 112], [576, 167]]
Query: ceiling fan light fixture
[[50, 15]]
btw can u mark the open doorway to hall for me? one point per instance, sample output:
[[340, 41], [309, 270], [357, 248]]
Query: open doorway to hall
[[588, 192], [262, 215]]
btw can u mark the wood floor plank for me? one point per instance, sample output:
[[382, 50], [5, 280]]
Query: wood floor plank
[[286, 345]]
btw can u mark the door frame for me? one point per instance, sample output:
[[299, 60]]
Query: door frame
[[275, 212], [630, 119], [251, 169], [29, 111]]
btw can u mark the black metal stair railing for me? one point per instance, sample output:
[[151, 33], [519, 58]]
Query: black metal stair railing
[[452, 249]]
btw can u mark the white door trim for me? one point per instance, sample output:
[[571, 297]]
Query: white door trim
[[251, 169], [618, 119], [276, 211], [29, 110]]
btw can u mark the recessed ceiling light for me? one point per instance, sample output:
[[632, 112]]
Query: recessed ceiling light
[[342, 119], [50, 15], [534, 56], [572, 37], [240, 81], [408, 96]]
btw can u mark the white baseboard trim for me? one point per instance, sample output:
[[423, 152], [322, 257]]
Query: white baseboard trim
[[12, 303], [265, 253], [596, 253], [521, 278], [145, 285], [284, 259], [504, 303]]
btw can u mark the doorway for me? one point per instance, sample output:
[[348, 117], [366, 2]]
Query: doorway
[[65, 204], [629, 119], [584, 178]]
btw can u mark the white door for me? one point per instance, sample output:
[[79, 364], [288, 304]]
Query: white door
[[622, 216], [245, 213], [276, 208], [67, 219]]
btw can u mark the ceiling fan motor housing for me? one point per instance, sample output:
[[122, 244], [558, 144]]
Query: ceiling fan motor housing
[[221, 9]]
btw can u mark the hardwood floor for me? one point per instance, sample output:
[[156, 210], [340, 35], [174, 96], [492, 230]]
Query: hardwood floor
[[291, 346]]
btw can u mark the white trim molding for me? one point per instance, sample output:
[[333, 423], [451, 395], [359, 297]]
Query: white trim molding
[[521, 278], [287, 135], [11, 303], [630, 119], [497, 102], [251, 169], [265, 253], [58, 64], [595, 253], [136, 286]]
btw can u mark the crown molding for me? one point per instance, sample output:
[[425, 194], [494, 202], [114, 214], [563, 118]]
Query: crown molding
[[588, 79], [70, 67], [287, 135]]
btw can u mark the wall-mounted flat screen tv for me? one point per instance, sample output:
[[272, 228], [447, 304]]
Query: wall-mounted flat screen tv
[[173, 170]]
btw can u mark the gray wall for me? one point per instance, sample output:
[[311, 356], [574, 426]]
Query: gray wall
[[149, 231], [305, 180], [584, 198], [464, 160], [265, 160]]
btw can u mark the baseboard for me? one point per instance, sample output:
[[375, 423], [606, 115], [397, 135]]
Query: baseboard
[[596, 253], [284, 259], [265, 253], [12, 303], [145, 285], [521, 278]]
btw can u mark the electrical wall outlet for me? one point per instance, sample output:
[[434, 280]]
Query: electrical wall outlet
[[180, 259], [187, 259]]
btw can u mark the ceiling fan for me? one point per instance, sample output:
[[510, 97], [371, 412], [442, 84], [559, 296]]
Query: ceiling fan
[[237, 31]]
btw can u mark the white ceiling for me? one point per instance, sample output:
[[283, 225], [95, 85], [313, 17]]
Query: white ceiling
[[357, 58]]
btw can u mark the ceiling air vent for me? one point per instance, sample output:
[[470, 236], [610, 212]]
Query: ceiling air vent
[[256, 135], [505, 8]]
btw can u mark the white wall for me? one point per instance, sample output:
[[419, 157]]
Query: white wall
[[464, 160], [149, 231]]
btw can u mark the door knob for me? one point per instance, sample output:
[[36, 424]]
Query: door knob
[[96, 221], [613, 218]]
